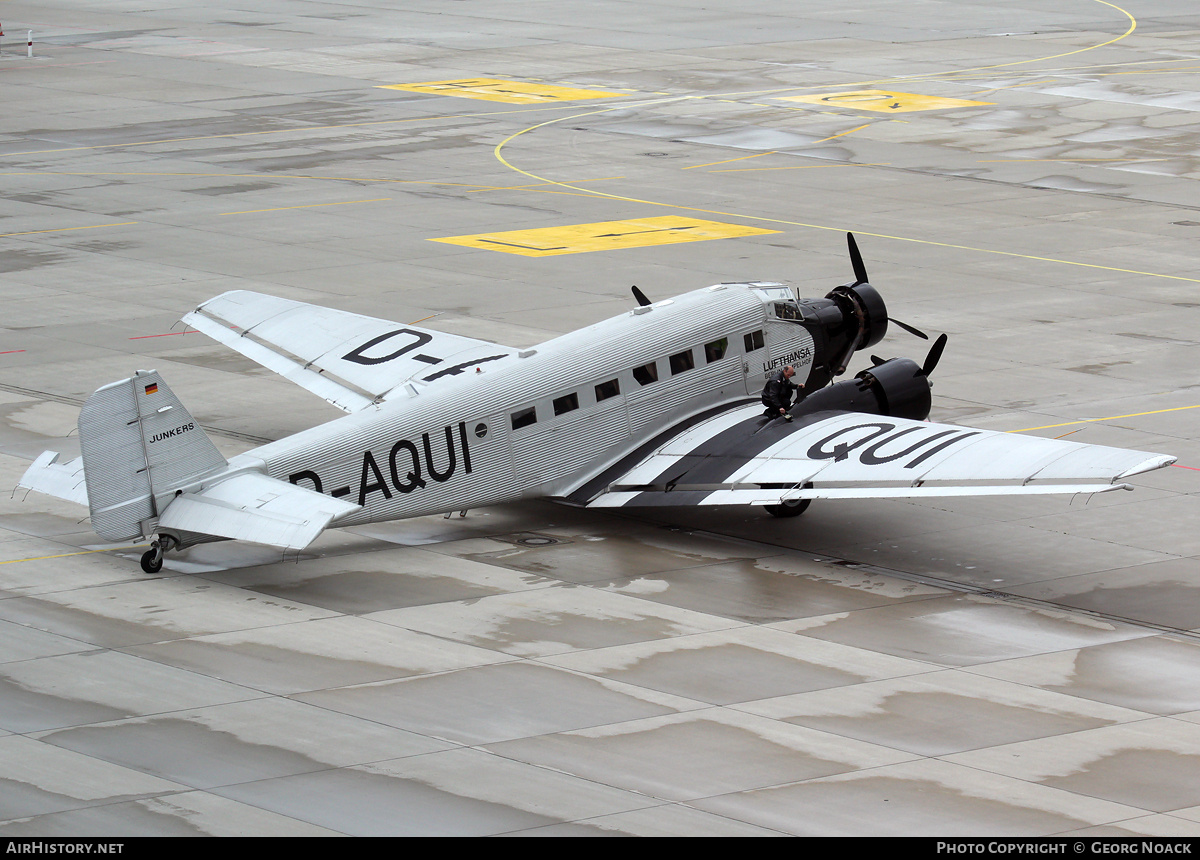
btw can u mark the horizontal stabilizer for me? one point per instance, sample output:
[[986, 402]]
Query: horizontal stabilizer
[[61, 480], [256, 508]]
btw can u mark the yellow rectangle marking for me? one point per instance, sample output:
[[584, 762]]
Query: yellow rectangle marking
[[884, 101], [493, 90], [604, 236]]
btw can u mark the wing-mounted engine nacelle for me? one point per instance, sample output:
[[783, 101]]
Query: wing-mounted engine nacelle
[[898, 387]]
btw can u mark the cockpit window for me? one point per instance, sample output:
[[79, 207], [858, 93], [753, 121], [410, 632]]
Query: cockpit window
[[788, 311]]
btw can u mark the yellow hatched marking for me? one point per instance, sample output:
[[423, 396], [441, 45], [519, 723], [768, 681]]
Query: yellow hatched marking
[[604, 236], [884, 101], [493, 90]]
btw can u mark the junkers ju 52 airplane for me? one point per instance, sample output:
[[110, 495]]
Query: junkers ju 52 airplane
[[658, 406]]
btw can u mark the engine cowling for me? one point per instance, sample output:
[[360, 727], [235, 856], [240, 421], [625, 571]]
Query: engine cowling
[[866, 313], [897, 387], [849, 318]]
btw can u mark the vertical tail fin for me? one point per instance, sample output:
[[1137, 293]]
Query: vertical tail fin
[[139, 445]]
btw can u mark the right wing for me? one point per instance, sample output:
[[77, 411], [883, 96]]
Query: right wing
[[350, 360], [739, 457]]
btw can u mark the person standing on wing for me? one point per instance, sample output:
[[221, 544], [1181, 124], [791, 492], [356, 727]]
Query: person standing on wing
[[777, 393]]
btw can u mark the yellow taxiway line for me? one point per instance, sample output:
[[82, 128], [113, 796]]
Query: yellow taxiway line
[[1109, 418]]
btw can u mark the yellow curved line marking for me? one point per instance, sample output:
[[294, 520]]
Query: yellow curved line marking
[[500, 157], [961, 72], [723, 96], [1132, 27]]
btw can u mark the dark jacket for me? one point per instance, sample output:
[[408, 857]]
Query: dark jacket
[[777, 393]]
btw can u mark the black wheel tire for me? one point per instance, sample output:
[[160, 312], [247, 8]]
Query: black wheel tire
[[152, 561], [785, 510]]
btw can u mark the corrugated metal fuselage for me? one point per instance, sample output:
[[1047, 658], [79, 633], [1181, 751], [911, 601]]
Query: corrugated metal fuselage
[[453, 445]]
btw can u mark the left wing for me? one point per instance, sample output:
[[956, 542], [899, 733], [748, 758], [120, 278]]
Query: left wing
[[741, 458], [350, 360]]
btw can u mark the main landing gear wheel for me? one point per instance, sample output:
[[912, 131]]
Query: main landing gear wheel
[[788, 509]]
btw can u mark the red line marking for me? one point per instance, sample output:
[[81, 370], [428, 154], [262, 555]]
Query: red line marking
[[11, 351], [165, 334], [1193, 468]]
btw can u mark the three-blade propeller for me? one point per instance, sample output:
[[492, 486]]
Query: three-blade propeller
[[931, 359], [860, 277]]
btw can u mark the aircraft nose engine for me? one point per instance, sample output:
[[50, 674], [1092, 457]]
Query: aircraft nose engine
[[863, 311], [854, 315]]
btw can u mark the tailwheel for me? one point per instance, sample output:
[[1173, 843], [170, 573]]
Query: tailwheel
[[152, 559]]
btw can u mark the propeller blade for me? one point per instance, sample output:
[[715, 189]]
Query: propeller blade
[[935, 355], [876, 360], [860, 271], [641, 297], [910, 329]]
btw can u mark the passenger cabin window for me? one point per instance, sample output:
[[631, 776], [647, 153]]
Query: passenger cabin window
[[682, 361], [524, 417], [608, 389], [646, 374], [715, 351], [566, 403], [754, 340]]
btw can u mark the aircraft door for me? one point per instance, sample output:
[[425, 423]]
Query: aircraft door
[[784, 343]]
